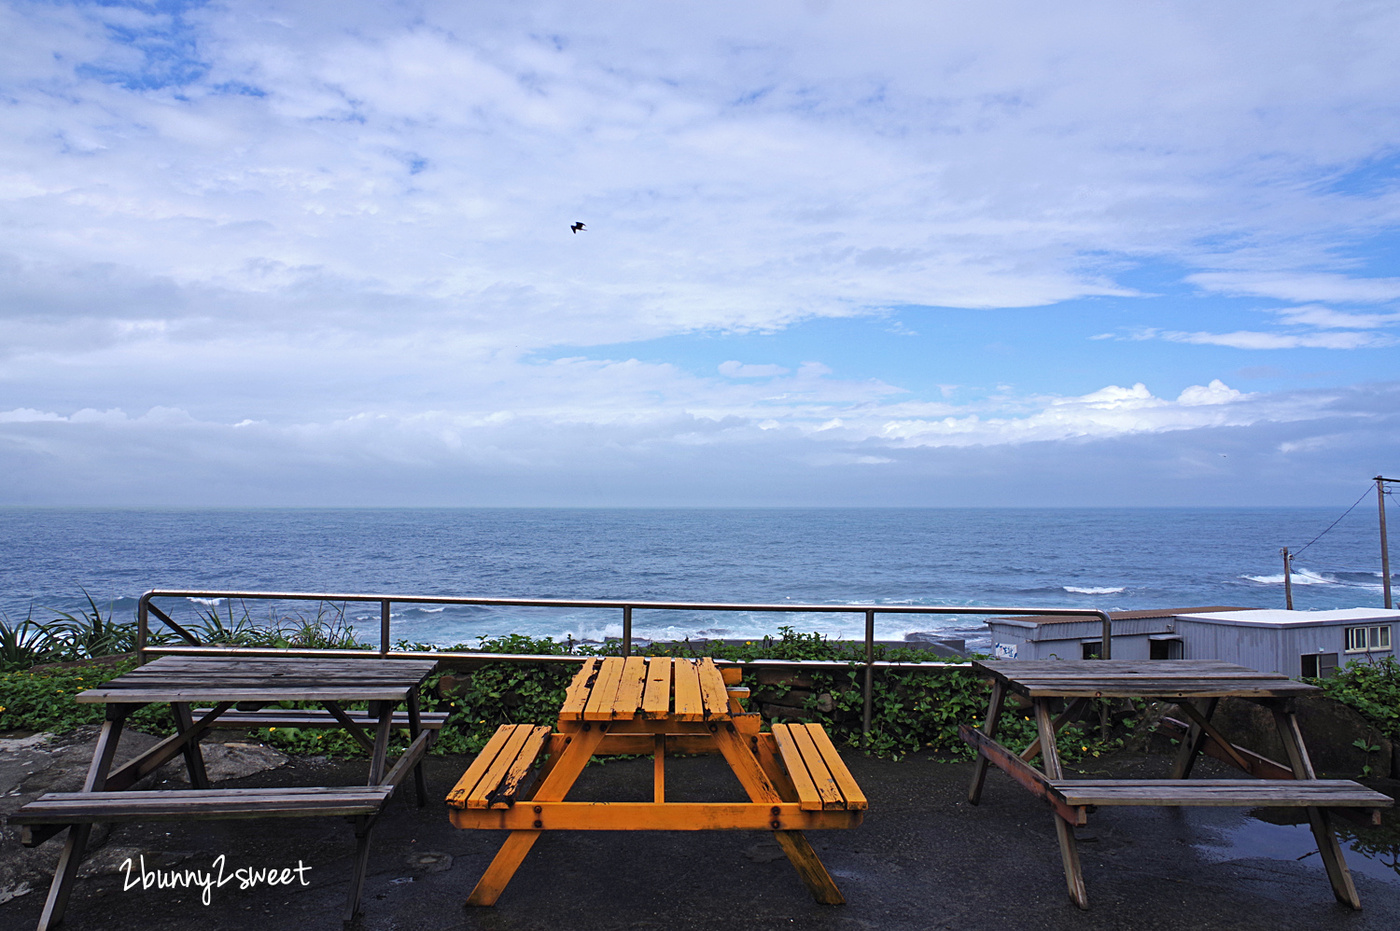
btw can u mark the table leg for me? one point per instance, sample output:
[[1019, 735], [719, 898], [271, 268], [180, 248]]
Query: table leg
[[658, 769], [794, 843], [377, 763], [415, 727], [979, 767], [363, 826], [1071, 712], [1064, 831], [1318, 819], [72, 856], [1192, 743], [552, 788], [194, 757]]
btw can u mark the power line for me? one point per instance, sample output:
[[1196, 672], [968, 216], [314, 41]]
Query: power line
[[1334, 523]]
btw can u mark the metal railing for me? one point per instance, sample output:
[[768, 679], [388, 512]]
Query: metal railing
[[145, 609]]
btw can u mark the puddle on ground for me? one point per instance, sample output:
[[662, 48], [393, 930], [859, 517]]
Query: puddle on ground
[[1282, 833]]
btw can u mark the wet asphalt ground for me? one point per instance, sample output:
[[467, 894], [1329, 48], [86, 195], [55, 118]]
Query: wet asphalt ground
[[923, 859]]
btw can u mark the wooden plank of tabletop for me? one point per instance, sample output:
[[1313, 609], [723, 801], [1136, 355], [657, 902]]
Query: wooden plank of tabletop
[[576, 697], [235, 674], [217, 693], [629, 688], [1169, 688], [688, 704], [656, 701], [713, 695], [600, 700], [218, 665]]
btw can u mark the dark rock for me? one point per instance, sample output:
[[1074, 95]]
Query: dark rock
[[1331, 731]]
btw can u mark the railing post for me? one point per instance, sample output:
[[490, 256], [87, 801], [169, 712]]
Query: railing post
[[626, 630], [384, 627], [869, 679], [142, 619]]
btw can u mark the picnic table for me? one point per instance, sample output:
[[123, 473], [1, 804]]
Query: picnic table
[[243, 692], [1196, 686], [793, 776]]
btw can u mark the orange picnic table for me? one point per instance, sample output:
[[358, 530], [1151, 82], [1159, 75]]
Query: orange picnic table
[[793, 776]]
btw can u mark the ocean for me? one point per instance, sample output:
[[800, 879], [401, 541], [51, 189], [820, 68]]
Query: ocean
[[1110, 559]]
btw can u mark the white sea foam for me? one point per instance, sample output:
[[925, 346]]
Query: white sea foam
[[1095, 591], [1300, 577], [211, 602]]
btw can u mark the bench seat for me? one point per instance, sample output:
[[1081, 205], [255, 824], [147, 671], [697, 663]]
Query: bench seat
[[1277, 793], [314, 717], [495, 777], [818, 774], [65, 808]]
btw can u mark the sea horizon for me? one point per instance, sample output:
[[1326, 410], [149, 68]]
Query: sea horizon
[[1108, 558]]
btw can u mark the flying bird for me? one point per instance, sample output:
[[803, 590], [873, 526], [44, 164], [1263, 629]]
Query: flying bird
[[576, 227]]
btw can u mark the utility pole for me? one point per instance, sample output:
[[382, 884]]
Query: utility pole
[[1287, 579], [1385, 548]]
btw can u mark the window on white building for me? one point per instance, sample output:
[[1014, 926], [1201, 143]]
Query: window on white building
[[1318, 665], [1364, 639]]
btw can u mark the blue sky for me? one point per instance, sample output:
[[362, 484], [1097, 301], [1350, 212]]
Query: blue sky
[[880, 253]]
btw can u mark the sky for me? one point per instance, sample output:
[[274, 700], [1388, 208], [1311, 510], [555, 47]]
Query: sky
[[850, 254]]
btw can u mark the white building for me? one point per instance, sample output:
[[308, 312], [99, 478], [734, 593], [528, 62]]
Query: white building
[[1295, 643]]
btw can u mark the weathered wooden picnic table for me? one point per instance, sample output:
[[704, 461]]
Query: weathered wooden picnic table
[[240, 689], [1195, 686], [793, 776]]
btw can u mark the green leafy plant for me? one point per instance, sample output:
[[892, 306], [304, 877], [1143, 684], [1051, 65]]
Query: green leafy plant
[[25, 644], [42, 699], [89, 633], [1371, 687]]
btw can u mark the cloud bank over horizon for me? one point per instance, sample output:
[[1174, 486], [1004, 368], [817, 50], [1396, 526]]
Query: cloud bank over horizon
[[835, 253]]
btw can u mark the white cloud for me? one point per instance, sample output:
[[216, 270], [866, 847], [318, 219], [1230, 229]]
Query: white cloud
[[1217, 392], [1113, 411], [1252, 339], [736, 369], [1325, 318], [739, 167], [27, 415], [347, 224], [692, 412], [1300, 287]]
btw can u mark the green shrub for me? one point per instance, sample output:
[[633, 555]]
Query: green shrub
[[1372, 688], [41, 699]]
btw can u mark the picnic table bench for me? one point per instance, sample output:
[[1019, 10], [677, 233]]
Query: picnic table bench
[[1185, 682], [793, 777], [230, 682]]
